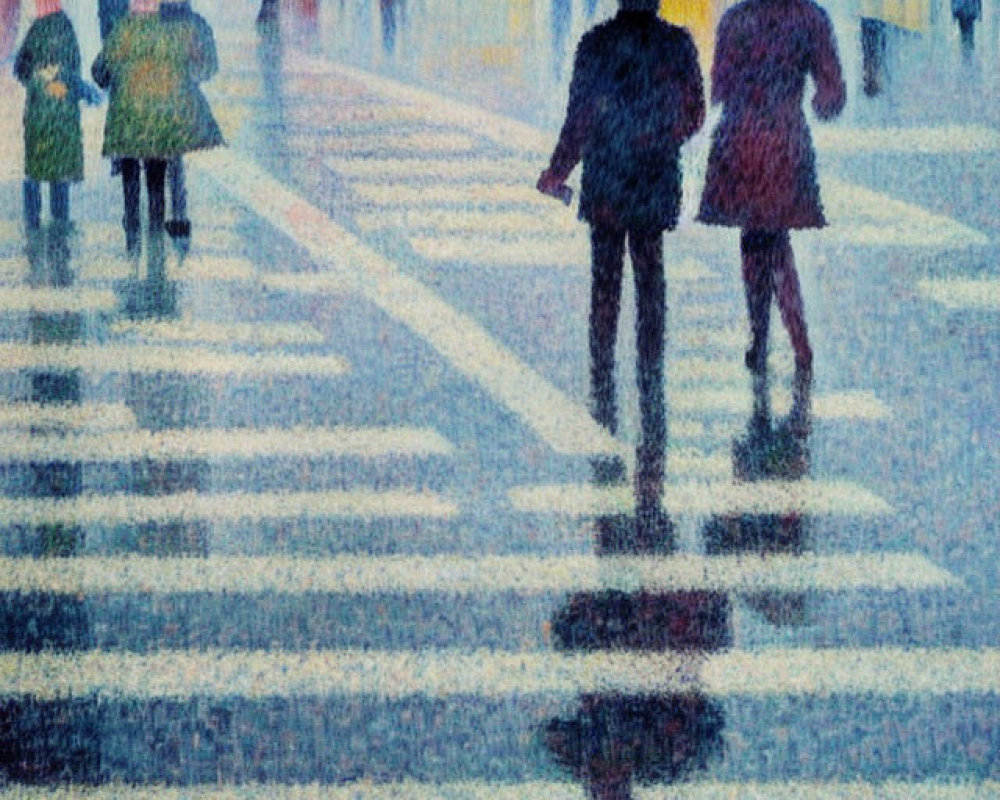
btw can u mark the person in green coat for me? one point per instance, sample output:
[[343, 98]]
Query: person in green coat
[[156, 111], [48, 65]]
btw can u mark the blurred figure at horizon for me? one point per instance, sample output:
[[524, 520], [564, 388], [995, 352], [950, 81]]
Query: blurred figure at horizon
[[965, 13], [635, 97], [761, 173], [392, 14]]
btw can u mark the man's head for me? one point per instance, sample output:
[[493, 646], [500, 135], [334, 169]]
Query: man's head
[[639, 5]]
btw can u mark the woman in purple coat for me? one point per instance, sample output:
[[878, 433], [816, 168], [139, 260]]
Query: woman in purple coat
[[761, 168]]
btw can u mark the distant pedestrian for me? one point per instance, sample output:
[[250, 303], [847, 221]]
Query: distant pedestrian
[[48, 64], [761, 173], [156, 112], [966, 12], [635, 97], [10, 18]]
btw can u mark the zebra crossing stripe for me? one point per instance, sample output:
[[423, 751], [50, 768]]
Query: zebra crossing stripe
[[759, 497], [962, 789], [109, 359], [472, 222], [713, 370], [883, 671], [522, 172], [366, 575], [565, 426], [216, 443], [942, 140], [427, 142], [857, 405], [70, 300], [198, 267], [130, 509], [525, 252], [892, 222], [964, 293], [62, 418], [262, 334], [465, 194]]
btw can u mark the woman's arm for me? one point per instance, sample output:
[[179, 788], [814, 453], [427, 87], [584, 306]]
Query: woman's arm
[[831, 93]]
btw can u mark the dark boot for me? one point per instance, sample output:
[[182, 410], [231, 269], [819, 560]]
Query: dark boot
[[59, 201], [132, 191]]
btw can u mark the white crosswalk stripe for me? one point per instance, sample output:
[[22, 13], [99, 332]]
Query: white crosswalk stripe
[[109, 359], [760, 497], [245, 507], [56, 300], [262, 334], [25, 418], [462, 575], [489, 673], [963, 293]]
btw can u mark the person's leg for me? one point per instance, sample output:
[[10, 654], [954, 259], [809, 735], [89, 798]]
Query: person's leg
[[607, 250], [872, 54], [179, 225], [653, 528], [755, 246], [789, 295], [32, 204], [59, 200], [132, 191], [967, 31], [646, 250], [156, 172]]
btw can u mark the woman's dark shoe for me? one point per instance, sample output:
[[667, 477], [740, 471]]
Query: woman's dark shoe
[[178, 228], [756, 359]]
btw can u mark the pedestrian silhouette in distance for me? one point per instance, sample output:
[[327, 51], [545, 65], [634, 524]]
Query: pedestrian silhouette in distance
[[761, 173], [635, 97], [966, 12]]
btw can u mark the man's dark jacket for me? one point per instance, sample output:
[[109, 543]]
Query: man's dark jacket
[[635, 97]]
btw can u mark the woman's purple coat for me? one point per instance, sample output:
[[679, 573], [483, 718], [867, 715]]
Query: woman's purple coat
[[761, 167]]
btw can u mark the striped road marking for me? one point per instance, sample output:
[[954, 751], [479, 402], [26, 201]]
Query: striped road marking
[[205, 443], [529, 790], [492, 674], [967, 293], [429, 143], [568, 252], [130, 509], [466, 194], [70, 300], [887, 221], [457, 575], [45, 416], [836, 405], [564, 425], [197, 267], [519, 171], [150, 358], [944, 140], [470, 222], [760, 497], [224, 240], [263, 334], [716, 370]]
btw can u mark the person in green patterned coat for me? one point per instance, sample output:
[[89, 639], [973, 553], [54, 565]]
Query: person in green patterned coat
[[156, 111], [48, 64]]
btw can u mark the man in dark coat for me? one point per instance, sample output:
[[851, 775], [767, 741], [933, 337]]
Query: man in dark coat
[[761, 167], [635, 97]]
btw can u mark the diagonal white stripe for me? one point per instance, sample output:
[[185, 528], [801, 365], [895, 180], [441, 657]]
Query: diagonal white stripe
[[215, 443], [966, 293]]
